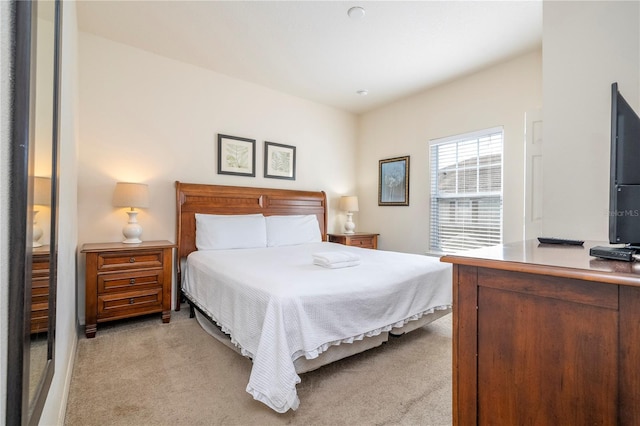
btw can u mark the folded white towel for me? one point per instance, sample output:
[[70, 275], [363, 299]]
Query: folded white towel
[[335, 259], [337, 265], [329, 257]]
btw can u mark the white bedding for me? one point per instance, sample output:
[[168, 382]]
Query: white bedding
[[276, 305]]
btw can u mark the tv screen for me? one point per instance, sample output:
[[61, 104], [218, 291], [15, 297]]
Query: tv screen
[[624, 199]]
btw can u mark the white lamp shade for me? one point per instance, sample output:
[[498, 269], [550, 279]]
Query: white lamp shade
[[349, 203], [133, 195], [42, 191]]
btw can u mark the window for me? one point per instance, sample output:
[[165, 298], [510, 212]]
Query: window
[[466, 191]]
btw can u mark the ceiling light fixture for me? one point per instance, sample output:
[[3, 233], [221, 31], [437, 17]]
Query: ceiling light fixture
[[356, 12], [362, 92]]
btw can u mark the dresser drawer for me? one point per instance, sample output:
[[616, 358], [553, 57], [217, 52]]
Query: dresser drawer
[[130, 260], [127, 281], [121, 305]]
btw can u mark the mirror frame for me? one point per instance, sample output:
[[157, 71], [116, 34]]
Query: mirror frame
[[20, 409]]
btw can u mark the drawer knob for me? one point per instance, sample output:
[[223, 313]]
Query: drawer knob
[[132, 259], [131, 301], [132, 281]]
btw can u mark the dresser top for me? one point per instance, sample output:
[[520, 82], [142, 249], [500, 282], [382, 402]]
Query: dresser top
[[40, 250], [99, 247], [556, 260]]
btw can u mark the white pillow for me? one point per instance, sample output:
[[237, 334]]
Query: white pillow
[[219, 232], [291, 230]]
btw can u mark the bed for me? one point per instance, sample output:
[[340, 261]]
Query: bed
[[267, 298]]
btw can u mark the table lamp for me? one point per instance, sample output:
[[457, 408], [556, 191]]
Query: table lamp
[[349, 204], [41, 197], [132, 195]]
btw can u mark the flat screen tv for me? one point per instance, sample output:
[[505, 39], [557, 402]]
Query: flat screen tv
[[624, 191]]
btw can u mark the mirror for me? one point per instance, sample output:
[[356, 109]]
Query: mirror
[[33, 198], [42, 172]]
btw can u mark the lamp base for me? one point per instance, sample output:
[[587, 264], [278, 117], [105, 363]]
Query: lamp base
[[37, 231], [349, 226], [132, 241], [132, 229]]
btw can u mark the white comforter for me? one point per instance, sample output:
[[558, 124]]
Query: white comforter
[[277, 305]]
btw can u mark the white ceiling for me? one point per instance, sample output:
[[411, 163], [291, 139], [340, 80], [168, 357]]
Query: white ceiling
[[313, 50]]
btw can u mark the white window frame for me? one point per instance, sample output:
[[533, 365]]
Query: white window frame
[[439, 241]]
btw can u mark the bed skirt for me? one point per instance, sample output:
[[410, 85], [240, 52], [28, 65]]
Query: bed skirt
[[333, 353]]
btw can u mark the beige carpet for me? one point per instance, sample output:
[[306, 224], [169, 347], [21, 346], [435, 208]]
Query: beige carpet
[[143, 372]]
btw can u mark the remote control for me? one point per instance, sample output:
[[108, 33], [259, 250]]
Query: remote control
[[565, 241]]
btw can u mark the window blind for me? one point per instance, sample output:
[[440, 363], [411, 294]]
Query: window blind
[[466, 191]]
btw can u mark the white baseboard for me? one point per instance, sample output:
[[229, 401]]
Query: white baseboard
[[67, 382]]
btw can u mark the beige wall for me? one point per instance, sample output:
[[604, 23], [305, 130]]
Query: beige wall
[[498, 96], [587, 46], [146, 118]]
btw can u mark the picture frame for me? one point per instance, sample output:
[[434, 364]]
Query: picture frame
[[279, 161], [393, 181], [236, 156]]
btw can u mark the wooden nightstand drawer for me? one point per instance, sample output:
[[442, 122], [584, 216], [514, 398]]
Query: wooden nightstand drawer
[[40, 292], [40, 268], [130, 260], [121, 305], [40, 316], [129, 281], [364, 242], [358, 239]]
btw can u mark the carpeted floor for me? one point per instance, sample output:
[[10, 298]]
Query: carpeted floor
[[143, 372]]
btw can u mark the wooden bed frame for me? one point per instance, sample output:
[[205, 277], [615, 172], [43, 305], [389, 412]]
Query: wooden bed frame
[[192, 198]]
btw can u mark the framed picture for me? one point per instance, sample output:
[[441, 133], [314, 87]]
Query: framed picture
[[279, 161], [236, 156], [393, 182]]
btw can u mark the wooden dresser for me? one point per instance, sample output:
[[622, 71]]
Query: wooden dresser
[[127, 280], [545, 334], [40, 290], [357, 239]]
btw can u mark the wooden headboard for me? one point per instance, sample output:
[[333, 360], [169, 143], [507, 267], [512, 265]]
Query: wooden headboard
[[192, 198]]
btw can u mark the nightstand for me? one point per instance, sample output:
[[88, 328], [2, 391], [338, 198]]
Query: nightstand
[[40, 290], [357, 239], [127, 280]]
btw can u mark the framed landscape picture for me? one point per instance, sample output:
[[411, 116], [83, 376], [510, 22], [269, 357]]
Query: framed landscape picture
[[279, 161], [393, 182], [236, 156]]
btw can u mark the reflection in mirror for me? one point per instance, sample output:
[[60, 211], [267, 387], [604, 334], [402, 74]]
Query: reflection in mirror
[[38, 351], [42, 171]]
